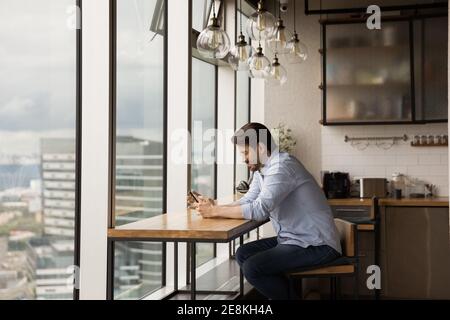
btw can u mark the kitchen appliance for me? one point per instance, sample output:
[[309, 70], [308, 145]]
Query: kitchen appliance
[[373, 187], [336, 185]]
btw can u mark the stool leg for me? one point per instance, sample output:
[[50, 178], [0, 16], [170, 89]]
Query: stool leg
[[332, 288], [300, 288]]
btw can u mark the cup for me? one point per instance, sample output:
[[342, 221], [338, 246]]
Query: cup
[[398, 193]]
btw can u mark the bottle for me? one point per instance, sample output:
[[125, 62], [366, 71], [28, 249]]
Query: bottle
[[398, 184]]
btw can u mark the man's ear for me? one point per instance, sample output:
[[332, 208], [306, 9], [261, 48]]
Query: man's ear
[[262, 151]]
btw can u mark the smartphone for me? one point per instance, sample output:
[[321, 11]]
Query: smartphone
[[194, 196]]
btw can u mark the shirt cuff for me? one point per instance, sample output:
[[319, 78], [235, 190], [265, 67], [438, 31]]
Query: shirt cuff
[[247, 211]]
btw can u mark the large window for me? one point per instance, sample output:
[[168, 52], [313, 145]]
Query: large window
[[140, 138], [203, 115], [38, 139]]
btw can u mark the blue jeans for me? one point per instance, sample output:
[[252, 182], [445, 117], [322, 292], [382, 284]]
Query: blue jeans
[[264, 263]]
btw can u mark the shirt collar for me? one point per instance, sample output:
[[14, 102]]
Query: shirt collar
[[274, 155]]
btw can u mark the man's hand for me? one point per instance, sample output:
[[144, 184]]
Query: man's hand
[[192, 204], [207, 209]]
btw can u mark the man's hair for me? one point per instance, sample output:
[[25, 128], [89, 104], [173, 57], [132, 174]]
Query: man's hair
[[252, 134]]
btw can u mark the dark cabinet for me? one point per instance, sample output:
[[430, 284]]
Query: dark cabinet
[[397, 74], [415, 253]]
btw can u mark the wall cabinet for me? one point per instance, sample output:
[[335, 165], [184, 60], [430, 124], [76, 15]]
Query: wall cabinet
[[397, 74]]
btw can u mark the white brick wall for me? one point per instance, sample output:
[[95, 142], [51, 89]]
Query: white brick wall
[[428, 164]]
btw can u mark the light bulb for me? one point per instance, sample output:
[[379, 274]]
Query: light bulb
[[213, 42], [261, 24], [278, 74], [259, 65], [240, 54], [297, 50], [279, 42]]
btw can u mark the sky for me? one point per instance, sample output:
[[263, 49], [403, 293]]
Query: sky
[[37, 68]]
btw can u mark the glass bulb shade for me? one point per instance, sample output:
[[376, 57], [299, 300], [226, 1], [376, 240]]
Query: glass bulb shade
[[213, 42], [239, 56], [278, 74], [261, 25], [297, 51], [278, 43], [260, 66]]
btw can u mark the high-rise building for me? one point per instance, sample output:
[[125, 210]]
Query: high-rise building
[[54, 254], [139, 195]]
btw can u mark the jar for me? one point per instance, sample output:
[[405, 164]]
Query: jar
[[416, 140], [445, 139], [438, 140], [430, 140], [398, 183], [423, 140]]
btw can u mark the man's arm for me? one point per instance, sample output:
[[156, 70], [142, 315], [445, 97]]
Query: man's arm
[[228, 212]]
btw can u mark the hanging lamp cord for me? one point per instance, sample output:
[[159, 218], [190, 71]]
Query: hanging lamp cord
[[240, 15], [214, 8], [295, 18]]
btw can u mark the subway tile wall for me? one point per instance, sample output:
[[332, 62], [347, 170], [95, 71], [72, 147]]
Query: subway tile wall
[[429, 164]]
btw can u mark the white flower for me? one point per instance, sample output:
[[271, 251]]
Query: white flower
[[283, 136]]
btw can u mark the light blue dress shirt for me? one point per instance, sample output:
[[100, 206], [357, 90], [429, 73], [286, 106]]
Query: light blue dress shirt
[[287, 193]]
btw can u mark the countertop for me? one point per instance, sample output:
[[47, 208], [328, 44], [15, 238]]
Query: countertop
[[405, 202]]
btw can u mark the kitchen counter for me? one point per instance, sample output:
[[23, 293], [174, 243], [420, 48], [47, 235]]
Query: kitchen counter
[[390, 202]]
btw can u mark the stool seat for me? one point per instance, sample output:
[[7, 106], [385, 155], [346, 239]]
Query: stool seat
[[334, 270]]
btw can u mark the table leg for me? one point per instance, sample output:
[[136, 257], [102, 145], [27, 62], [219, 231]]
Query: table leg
[[188, 263], [241, 274], [110, 270], [193, 269], [175, 267]]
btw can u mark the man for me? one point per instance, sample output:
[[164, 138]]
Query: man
[[284, 191]]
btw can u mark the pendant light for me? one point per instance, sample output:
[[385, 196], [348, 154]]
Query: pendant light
[[260, 66], [280, 37], [261, 24], [241, 52], [213, 42], [278, 74], [297, 50]]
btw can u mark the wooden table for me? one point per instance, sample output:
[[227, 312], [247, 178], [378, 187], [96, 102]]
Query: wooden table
[[186, 227]]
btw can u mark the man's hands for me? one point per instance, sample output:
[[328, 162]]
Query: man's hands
[[208, 208], [192, 204]]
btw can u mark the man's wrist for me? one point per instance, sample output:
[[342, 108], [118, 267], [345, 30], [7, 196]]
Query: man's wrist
[[216, 211]]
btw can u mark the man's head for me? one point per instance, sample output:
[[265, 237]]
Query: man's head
[[255, 143]]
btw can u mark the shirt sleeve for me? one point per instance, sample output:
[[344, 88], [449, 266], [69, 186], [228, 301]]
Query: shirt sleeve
[[253, 191], [277, 185]]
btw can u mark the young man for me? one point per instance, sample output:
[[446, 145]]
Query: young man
[[284, 191]]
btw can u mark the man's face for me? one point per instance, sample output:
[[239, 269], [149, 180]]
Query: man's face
[[250, 157]]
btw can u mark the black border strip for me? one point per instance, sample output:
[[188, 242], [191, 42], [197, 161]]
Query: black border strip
[[78, 148]]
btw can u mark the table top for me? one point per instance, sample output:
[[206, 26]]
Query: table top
[[184, 226]]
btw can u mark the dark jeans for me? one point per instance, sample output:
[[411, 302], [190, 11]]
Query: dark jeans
[[264, 263]]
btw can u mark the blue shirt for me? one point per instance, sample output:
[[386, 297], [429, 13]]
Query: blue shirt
[[287, 193]]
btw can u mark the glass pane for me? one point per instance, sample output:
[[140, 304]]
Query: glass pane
[[435, 69], [139, 141], [137, 269], [37, 149], [368, 75], [203, 138], [199, 14], [242, 118]]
